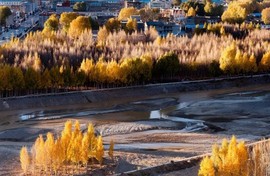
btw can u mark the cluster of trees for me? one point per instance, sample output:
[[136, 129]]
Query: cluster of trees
[[236, 159], [69, 22], [237, 11], [71, 149], [229, 159], [227, 29], [208, 8], [65, 55]]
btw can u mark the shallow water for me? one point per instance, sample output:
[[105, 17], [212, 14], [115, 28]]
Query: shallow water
[[226, 108]]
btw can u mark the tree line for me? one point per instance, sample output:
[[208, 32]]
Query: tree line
[[66, 56]]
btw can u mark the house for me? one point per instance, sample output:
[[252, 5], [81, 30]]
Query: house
[[191, 22], [164, 28], [140, 24], [134, 3], [160, 4]]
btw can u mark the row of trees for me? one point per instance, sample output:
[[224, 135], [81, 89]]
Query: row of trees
[[67, 58], [236, 159], [70, 151]]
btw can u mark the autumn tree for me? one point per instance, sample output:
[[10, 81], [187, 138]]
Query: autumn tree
[[102, 36], [131, 25], [58, 156], [113, 72], [39, 153], [229, 159], [113, 25], [16, 79], [79, 6], [125, 13], [25, 160], [111, 148], [176, 2], [66, 138], [85, 149], [167, 65], [208, 8], [227, 59], [264, 64], [52, 24], [49, 150], [78, 26], [66, 18], [149, 14], [234, 13], [5, 12], [266, 16], [32, 79], [99, 150], [191, 12]]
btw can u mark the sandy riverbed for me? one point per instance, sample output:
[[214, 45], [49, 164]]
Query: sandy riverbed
[[147, 131]]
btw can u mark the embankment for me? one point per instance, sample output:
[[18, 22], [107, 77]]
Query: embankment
[[91, 96]]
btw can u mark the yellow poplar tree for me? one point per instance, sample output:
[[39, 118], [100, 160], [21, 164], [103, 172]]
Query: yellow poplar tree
[[58, 156], [66, 138], [40, 152], [227, 59], [99, 150], [265, 62], [78, 26], [230, 159], [25, 159], [111, 149], [207, 167], [253, 64], [191, 12], [74, 147], [102, 36], [49, 149], [84, 149], [93, 141]]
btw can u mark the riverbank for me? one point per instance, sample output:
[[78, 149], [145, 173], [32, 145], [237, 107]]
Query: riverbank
[[92, 96]]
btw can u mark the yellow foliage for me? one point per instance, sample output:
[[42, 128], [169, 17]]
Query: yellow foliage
[[266, 16], [25, 159], [78, 26], [125, 13], [49, 148], [111, 149], [234, 13], [230, 159], [102, 36], [227, 59], [72, 147], [265, 62], [207, 167], [191, 12], [85, 148], [99, 150]]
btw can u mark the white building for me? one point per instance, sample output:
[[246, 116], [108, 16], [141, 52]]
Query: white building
[[160, 4]]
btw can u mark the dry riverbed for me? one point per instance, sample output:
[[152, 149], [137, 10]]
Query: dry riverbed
[[147, 131]]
